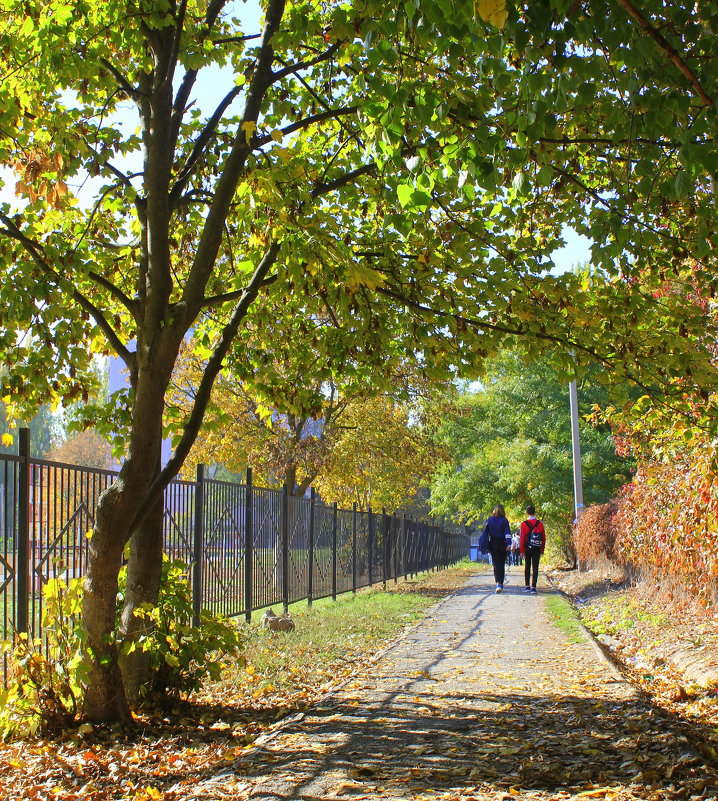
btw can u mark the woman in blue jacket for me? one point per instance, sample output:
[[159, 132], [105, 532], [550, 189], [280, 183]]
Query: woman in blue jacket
[[499, 531]]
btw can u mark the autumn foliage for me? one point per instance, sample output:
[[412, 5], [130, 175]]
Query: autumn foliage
[[663, 525], [594, 533], [666, 523]]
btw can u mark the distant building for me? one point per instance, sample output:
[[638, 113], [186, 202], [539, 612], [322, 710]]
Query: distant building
[[117, 380]]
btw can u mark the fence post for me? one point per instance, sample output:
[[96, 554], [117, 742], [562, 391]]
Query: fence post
[[395, 543], [410, 546], [310, 566], [248, 546], [370, 545], [22, 617], [335, 521], [198, 545], [385, 546], [285, 548], [354, 547], [403, 545]]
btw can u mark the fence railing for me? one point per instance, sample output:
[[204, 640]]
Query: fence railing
[[248, 547]]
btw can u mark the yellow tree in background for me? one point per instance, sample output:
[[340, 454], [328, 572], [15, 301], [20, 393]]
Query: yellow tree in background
[[241, 432], [86, 449], [355, 441], [382, 454]]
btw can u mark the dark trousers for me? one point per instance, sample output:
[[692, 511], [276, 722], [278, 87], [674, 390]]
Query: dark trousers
[[497, 549], [533, 556]]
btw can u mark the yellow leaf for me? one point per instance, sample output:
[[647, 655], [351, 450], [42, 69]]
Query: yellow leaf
[[492, 11], [249, 128], [7, 440], [277, 135], [359, 274], [151, 793], [89, 533]]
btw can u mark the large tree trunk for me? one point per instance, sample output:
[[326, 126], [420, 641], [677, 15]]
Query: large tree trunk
[[144, 574], [105, 698], [104, 695]]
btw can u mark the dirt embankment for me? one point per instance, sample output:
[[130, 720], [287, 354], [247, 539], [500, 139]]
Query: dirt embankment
[[665, 645]]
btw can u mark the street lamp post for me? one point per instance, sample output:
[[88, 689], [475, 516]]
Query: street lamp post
[[576, 444]]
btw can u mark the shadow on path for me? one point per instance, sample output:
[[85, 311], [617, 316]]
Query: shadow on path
[[485, 699]]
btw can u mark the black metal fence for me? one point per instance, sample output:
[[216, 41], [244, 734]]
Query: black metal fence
[[248, 547]]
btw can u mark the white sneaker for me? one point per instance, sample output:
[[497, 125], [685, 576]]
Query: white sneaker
[[499, 588]]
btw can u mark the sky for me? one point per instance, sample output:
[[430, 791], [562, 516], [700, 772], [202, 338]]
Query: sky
[[575, 251]]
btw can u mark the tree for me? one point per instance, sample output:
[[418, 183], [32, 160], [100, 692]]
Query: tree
[[278, 413], [378, 164], [358, 439], [511, 443], [44, 432], [86, 449], [223, 207], [383, 454]]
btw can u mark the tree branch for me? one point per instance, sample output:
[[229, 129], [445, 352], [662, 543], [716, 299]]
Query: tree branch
[[122, 82], [204, 390], [343, 180], [237, 39], [211, 236], [330, 114], [190, 76], [180, 15], [303, 65], [218, 300], [201, 143], [485, 324], [668, 49], [35, 251], [115, 291]]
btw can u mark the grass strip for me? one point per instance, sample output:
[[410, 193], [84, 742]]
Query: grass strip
[[565, 617], [286, 671]]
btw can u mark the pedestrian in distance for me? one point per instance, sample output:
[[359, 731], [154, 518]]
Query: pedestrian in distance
[[516, 548], [533, 542], [499, 534]]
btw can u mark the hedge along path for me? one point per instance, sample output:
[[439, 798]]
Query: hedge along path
[[485, 699]]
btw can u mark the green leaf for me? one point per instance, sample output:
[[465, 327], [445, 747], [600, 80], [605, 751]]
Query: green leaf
[[404, 193], [684, 183]]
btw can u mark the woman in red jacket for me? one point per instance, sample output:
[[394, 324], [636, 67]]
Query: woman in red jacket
[[533, 542]]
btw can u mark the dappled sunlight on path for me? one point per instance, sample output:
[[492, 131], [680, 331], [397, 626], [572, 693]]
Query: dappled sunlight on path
[[485, 699]]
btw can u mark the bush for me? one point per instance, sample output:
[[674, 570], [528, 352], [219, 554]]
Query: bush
[[45, 692], [46, 689], [667, 524], [594, 534], [181, 655]]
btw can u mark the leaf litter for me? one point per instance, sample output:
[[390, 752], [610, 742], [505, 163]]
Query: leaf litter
[[561, 728]]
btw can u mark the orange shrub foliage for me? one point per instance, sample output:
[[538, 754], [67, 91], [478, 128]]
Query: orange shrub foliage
[[666, 523], [594, 533]]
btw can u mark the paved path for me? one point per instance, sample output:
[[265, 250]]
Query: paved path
[[485, 699]]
